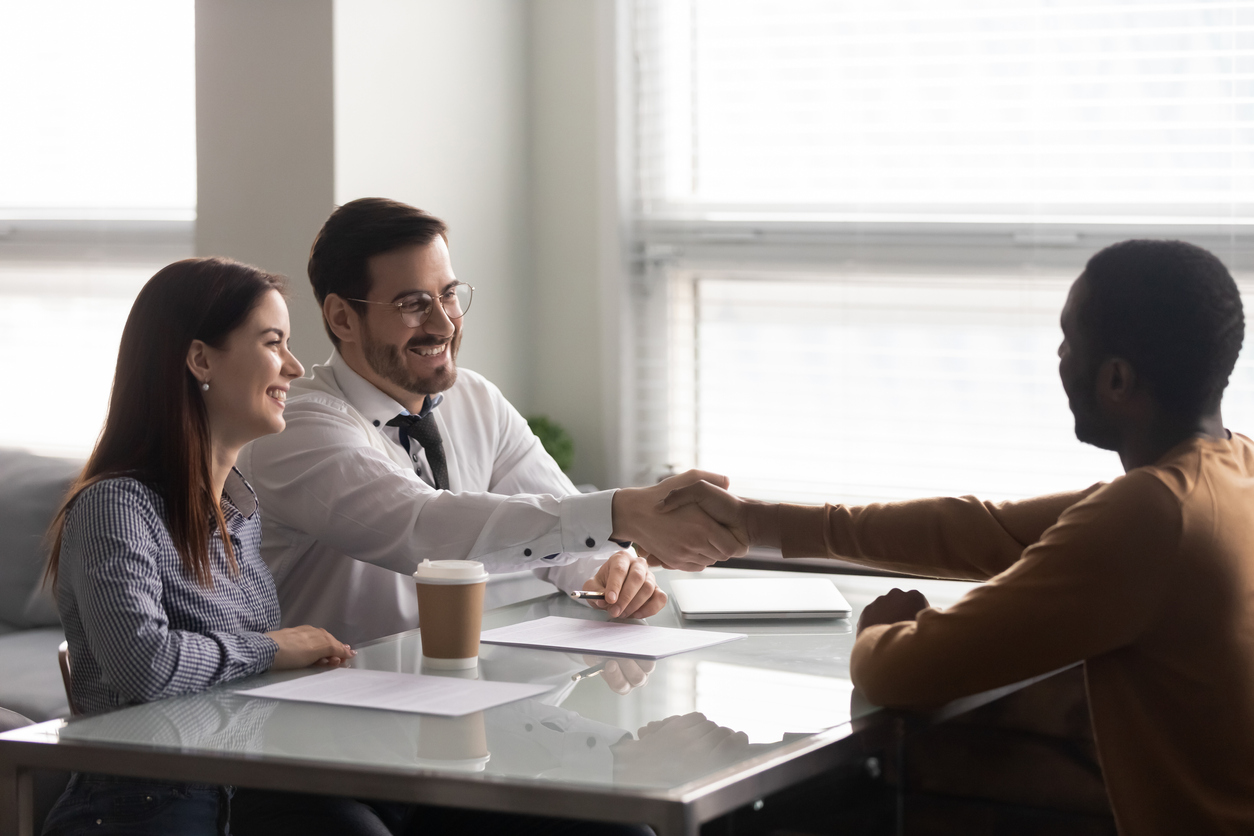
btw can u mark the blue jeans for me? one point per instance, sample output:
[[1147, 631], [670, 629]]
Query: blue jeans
[[265, 813], [109, 806]]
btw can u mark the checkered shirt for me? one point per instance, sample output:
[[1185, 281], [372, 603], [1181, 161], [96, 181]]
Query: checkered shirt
[[138, 625]]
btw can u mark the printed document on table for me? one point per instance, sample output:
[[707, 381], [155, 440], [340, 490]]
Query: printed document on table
[[610, 638], [445, 696]]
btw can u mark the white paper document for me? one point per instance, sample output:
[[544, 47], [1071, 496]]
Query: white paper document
[[445, 696], [611, 638]]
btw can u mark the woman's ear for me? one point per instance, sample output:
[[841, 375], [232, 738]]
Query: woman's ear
[[198, 361]]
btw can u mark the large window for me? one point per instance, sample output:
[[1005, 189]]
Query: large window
[[857, 221], [97, 191]]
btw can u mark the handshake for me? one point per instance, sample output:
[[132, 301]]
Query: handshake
[[690, 521]]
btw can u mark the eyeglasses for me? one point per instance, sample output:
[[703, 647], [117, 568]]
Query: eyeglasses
[[416, 307]]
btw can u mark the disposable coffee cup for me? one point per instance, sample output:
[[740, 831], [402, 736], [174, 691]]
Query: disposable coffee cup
[[450, 612], [455, 744]]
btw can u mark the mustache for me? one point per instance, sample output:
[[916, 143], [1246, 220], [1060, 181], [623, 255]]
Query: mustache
[[421, 342]]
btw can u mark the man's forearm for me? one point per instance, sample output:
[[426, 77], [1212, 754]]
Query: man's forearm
[[952, 537]]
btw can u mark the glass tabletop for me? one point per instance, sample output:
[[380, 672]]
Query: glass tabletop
[[609, 722]]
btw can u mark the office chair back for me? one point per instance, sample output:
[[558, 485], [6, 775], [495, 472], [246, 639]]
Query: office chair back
[[63, 658]]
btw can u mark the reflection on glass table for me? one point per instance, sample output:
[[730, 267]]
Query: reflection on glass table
[[610, 736], [784, 681]]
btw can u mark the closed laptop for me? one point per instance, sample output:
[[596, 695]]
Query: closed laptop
[[735, 598]]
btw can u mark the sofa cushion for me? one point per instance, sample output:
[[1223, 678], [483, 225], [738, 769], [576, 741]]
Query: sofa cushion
[[10, 720], [30, 676], [31, 490]]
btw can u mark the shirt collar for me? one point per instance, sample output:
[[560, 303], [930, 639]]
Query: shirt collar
[[368, 399], [240, 493]]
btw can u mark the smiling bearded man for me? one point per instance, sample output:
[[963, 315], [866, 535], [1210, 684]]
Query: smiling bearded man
[[393, 455]]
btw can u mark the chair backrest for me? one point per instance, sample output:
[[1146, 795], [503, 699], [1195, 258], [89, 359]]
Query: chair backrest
[[63, 658]]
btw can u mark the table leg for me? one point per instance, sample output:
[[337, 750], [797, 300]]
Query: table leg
[[17, 801], [677, 820]]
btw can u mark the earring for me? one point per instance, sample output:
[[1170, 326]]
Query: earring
[[204, 387]]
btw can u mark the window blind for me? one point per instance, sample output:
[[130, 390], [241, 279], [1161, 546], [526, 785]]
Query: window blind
[[97, 192], [1069, 111], [951, 164], [99, 110], [873, 386]]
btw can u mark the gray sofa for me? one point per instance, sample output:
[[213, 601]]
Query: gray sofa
[[31, 489]]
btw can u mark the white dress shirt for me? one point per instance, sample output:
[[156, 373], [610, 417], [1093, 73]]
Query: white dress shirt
[[346, 518]]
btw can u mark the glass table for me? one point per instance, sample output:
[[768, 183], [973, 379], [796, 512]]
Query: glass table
[[594, 747]]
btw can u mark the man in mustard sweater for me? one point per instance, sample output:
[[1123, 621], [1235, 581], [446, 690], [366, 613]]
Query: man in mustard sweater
[[1149, 580]]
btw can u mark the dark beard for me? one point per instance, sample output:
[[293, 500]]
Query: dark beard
[[387, 362], [1090, 428]]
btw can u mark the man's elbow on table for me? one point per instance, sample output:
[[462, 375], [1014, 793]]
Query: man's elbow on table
[[886, 676]]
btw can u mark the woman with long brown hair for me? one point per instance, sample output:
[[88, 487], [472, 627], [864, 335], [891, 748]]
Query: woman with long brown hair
[[155, 557]]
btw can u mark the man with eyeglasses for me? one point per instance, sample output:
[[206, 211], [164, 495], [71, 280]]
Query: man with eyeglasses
[[393, 455]]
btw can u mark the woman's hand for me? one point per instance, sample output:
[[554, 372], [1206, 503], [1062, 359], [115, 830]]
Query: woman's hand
[[300, 647], [630, 588]]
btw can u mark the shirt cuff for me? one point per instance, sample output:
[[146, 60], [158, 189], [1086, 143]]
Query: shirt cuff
[[261, 650], [587, 521]]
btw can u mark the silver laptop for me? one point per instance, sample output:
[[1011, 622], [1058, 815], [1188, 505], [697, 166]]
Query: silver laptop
[[737, 598]]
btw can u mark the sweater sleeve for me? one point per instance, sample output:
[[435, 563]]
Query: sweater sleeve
[[948, 537], [1091, 585]]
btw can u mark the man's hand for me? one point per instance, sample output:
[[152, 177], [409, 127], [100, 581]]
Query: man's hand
[[621, 674], [630, 588], [891, 608], [300, 647], [752, 522], [683, 538]]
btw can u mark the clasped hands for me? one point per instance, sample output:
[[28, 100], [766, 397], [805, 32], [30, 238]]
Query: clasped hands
[[677, 533], [702, 502]]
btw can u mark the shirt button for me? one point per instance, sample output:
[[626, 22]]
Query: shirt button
[[590, 542], [527, 552], [376, 423]]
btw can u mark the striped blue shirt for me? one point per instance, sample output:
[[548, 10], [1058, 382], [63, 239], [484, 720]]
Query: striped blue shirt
[[138, 625]]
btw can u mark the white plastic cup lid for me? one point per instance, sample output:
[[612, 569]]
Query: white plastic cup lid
[[450, 572]]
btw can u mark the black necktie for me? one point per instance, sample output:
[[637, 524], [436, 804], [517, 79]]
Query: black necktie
[[426, 433]]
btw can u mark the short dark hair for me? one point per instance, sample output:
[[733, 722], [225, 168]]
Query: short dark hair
[[1173, 311], [353, 234]]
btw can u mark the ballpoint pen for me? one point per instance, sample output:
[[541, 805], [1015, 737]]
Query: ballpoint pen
[[580, 594], [589, 673]]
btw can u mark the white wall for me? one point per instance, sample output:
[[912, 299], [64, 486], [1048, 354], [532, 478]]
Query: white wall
[[496, 115], [264, 134], [575, 225], [431, 110]]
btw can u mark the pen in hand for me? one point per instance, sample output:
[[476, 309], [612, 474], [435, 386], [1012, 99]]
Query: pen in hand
[[579, 594], [589, 673]]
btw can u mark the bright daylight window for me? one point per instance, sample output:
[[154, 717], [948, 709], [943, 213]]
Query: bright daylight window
[[97, 191], [857, 220]]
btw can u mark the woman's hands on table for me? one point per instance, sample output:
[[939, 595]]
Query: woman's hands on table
[[300, 647], [630, 589]]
